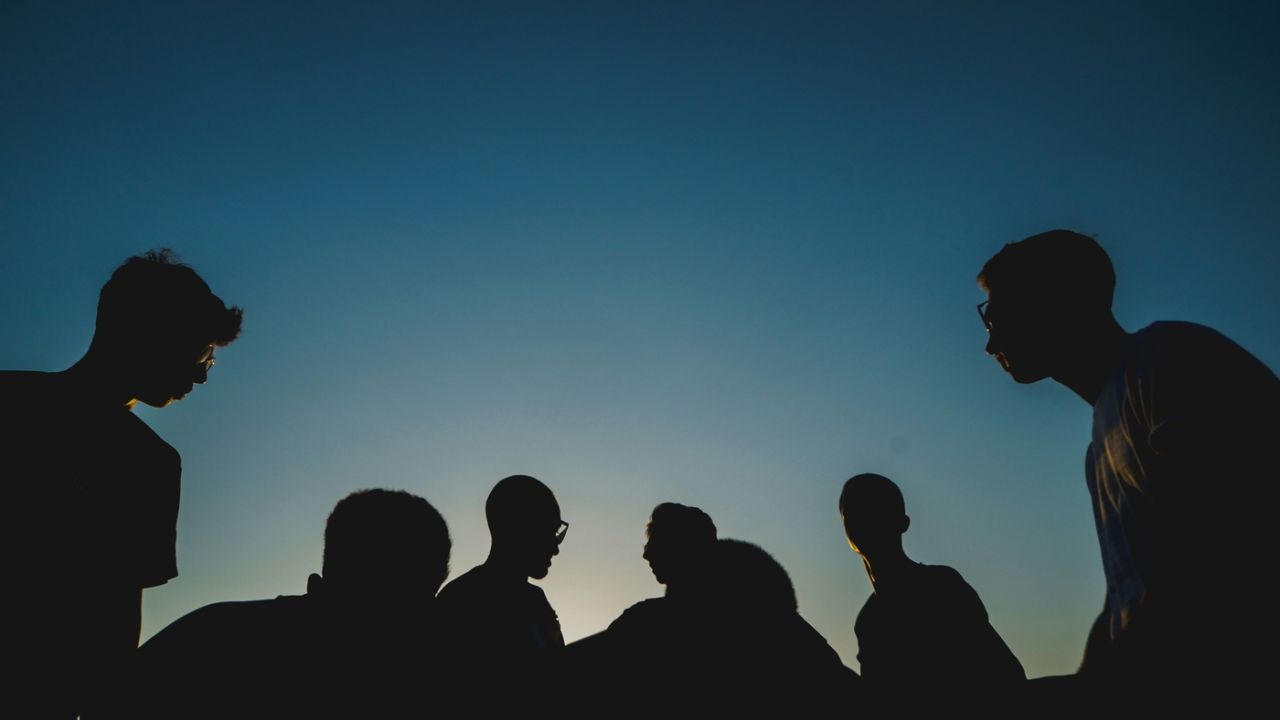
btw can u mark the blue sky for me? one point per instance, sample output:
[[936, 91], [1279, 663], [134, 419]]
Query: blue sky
[[715, 253]]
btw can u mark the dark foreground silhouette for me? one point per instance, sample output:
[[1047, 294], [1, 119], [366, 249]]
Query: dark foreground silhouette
[[923, 634], [499, 632], [360, 643], [1184, 427], [94, 490], [726, 638]]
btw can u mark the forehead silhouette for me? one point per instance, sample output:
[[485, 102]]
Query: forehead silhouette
[[519, 501]]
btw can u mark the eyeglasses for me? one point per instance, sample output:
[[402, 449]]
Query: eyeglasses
[[982, 313], [561, 532], [206, 358]]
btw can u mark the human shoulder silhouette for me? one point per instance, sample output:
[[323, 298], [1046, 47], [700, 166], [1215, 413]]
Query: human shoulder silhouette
[[98, 488], [764, 656], [361, 642], [923, 633], [501, 633], [655, 638]]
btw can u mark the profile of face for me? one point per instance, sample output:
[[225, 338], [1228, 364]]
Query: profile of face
[[541, 542], [660, 555], [679, 540], [1020, 337], [168, 372]]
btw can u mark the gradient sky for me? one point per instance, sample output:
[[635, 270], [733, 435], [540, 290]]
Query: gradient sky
[[715, 253]]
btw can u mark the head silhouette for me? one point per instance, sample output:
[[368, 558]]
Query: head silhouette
[[874, 514], [745, 579], [679, 540], [384, 548], [157, 326], [525, 524], [1045, 294]]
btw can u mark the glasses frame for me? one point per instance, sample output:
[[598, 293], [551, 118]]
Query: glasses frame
[[207, 359]]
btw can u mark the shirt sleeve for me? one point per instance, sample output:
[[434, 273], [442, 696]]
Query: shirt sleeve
[[157, 521]]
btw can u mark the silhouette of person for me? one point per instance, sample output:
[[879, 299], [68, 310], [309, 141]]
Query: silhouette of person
[[923, 634], [725, 640], [679, 539], [359, 643], [97, 488], [758, 655], [679, 546], [500, 630], [1184, 421]]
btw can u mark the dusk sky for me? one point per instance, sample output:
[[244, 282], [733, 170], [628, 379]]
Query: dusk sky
[[715, 253]]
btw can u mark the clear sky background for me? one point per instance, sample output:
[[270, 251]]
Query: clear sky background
[[715, 253]]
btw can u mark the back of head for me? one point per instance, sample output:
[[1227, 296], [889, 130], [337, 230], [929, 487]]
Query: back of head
[[1055, 269], [385, 545], [873, 511], [152, 298], [747, 579], [872, 494]]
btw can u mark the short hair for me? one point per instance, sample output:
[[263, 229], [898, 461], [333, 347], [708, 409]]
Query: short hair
[[1058, 265], [152, 295], [515, 500], [381, 533], [874, 492], [683, 524]]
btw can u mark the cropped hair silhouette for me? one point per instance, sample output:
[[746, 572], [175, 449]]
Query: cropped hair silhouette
[[152, 295], [680, 539], [1060, 265], [683, 524], [874, 491], [377, 534]]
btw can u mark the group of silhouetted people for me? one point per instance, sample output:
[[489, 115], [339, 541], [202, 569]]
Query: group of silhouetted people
[[1176, 471]]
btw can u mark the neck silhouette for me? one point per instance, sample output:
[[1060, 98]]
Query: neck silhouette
[[97, 377], [886, 564], [507, 561], [1095, 356]]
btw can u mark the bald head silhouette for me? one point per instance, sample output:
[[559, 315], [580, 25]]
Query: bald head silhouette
[[525, 524]]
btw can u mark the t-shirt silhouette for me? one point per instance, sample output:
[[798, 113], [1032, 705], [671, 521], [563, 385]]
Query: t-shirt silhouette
[[292, 656], [930, 630], [1183, 444], [499, 631], [95, 497], [694, 656]]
